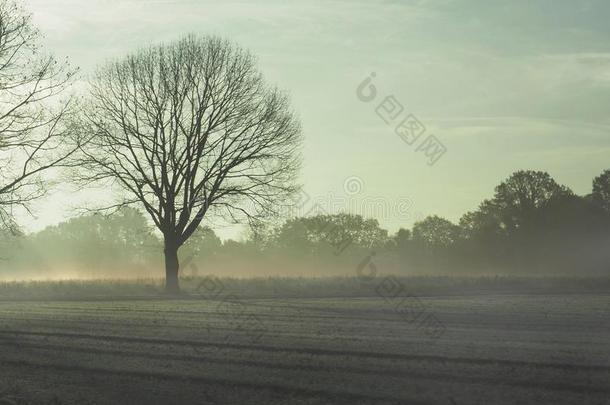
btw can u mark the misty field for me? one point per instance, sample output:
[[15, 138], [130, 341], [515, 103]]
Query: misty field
[[494, 348]]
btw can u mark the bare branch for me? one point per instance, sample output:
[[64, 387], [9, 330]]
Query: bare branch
[[33, 121]]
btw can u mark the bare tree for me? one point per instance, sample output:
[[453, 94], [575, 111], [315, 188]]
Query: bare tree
[[187, 129], [32, 119]]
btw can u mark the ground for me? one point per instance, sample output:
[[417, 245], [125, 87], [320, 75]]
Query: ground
[[480, 349]]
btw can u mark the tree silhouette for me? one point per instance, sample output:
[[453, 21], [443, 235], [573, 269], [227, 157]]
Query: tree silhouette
[[435, 231], [186, 129], [433, 240], [203, 243], [32, 132], [601, 190], [94, 244], [518, 197]]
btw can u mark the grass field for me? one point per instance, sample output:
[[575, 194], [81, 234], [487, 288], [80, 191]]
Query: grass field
[[491, 349]]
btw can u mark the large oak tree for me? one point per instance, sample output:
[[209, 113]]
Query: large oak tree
[[187, 129]]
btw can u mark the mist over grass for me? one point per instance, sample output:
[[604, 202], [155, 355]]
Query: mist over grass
[[196, 288]]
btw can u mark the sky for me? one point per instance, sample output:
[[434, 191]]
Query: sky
[[502, 86]]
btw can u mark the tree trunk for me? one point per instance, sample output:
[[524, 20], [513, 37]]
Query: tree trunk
[[171, 268]]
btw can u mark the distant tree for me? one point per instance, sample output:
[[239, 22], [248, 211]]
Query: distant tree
[[203, 243], [401, 239], [186, 129], [232, 250], [485, 222], [601, 190], [433, 242], [515, 201], [502, 232], [293, 238], [340, 231], [130, 233], [519, 197], [401, 243], [572, 234], [436, 231], [33, 133], [9, 245], [327, 235], [96, 243], [483, 236]]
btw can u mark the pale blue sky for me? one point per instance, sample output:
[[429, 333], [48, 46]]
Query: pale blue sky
[[505, 85]]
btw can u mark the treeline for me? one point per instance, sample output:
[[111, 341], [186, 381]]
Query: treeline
[[531, 225]]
